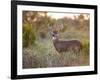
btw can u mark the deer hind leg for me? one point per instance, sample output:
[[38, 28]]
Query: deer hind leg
[[76, 49], [69, 49]]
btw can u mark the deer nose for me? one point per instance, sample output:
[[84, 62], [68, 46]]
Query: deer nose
[[53, 35]]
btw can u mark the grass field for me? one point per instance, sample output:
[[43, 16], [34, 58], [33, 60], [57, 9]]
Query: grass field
[[44, 54]]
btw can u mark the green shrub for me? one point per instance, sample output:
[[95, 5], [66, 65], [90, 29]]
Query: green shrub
[[28, 35]]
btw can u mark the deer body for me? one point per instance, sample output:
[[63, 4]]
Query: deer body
[[63, 46]]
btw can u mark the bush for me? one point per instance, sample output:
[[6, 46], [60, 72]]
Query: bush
[[28, 35]]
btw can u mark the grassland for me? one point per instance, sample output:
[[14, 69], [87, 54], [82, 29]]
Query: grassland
[[43, 54]]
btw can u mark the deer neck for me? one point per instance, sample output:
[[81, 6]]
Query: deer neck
[[55, 39]]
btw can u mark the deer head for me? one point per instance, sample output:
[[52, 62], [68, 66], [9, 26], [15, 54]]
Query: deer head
[[55, 29]]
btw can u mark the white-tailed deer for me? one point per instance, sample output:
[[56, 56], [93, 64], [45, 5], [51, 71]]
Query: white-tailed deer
[[63, 46]]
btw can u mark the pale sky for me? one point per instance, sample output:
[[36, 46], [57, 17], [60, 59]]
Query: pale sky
[[61, 15]]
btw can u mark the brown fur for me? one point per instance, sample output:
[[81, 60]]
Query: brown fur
[[63, 46]]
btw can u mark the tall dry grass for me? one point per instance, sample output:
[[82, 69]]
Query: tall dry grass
[[43, 54]]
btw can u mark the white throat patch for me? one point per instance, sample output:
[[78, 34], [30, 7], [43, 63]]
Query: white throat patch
[[53, 38]]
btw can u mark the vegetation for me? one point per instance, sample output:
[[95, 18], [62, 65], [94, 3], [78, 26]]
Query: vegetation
[[38, 48]]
